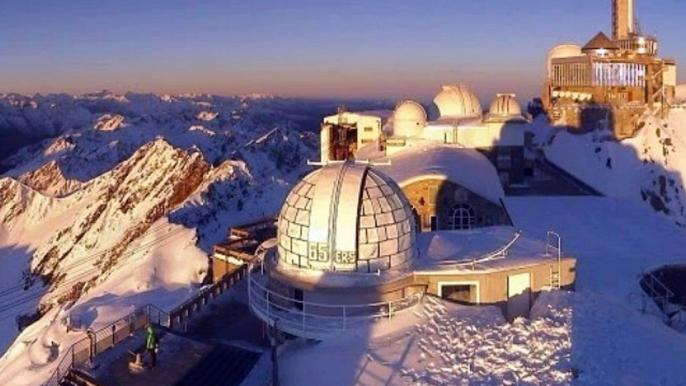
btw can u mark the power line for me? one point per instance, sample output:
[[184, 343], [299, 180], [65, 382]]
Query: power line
[[7, 306], [82, 261]]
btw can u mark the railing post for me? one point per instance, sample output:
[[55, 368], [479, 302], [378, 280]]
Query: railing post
[[390, 310], [302, 312], [91, 347], [249, 290], [345, 318]]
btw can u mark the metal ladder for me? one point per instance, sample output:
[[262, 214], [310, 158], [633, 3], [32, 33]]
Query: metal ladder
[[554, 278]]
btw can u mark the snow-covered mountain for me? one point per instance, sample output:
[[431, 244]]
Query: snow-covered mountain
[[123, 196], [649, 168]]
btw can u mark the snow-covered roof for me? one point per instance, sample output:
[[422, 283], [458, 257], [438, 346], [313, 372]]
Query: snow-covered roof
[[454, 250], [426, 159]]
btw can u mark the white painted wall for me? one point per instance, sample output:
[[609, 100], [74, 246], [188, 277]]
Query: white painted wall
[[518, 295]]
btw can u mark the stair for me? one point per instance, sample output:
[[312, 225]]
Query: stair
[[223, 366], [78, 378], [554, 278]]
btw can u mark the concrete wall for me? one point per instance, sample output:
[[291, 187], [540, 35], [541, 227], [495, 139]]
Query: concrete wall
[[493, 286], [433, 197]]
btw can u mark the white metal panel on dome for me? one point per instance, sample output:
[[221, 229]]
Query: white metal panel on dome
[[505, 105], [321, 204], [360, 220], [409, 119], [457, 102], [347, 211]]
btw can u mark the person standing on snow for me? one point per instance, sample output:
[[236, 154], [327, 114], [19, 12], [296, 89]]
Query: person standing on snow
[[151, 344]]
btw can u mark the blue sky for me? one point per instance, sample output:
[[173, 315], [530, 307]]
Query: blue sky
[[314, 48]]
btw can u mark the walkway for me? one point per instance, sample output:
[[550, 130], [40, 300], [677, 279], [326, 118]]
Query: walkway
[[550, 180]]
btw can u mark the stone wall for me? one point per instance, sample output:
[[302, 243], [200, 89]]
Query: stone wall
[[435, 197]]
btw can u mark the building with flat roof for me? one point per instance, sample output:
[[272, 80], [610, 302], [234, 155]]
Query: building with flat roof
[[610, 81]]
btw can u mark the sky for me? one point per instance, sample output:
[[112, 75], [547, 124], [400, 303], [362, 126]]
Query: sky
[[304, 48]]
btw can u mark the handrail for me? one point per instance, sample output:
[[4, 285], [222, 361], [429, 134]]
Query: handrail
[[293, 316], [152, 313], [90, 344], [254, 282]]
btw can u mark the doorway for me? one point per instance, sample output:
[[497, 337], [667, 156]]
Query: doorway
[[518, 296]]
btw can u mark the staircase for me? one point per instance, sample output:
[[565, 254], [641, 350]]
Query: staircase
[[78, 378], [554, 278], [553, 247], [223, 366]]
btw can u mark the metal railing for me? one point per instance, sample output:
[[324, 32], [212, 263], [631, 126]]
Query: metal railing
[[553, 247], [183, 312], [656, 290], [98, 341], [317, 320]]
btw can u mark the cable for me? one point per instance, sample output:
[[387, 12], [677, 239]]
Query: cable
[[82, 261], [16, 302]]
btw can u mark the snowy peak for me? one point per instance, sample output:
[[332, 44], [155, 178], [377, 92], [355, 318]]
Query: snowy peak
[[94, 226]]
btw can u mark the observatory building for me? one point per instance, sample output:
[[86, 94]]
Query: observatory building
[[458, 121], [402, 207], [349, 247], [612, 81]]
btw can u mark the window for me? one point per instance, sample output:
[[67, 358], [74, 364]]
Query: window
[[462, 217], [368, 129]]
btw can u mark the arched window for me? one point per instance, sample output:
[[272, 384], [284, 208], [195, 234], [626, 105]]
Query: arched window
[[462, 217]]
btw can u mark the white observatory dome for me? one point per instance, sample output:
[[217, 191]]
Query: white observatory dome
[[562, 51], [409, 119], [346, 217], [457, 102], [505, 105]]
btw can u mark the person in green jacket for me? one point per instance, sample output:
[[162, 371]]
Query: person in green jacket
[[151, 344]]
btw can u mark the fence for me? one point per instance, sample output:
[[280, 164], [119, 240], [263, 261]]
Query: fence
[[98, 341], [179, 315], [317, 320]]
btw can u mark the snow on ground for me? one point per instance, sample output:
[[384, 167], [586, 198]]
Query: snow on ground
[[614, 241], [438, 343], [595, 334], [650, 167], [160, 273]]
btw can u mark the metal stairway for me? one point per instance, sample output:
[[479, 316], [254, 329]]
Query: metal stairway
[[553, 247]]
